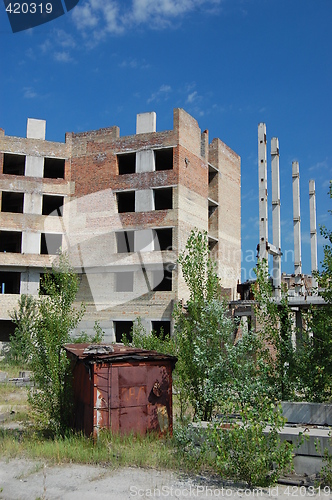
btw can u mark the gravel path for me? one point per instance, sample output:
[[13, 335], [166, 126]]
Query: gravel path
[[28, 480]]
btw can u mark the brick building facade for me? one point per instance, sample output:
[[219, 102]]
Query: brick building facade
[[123, 207]]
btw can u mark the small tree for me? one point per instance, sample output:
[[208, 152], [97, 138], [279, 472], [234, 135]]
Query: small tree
[[316, 352], [201, 330], [21, 340], [44, 327], [275, 329]]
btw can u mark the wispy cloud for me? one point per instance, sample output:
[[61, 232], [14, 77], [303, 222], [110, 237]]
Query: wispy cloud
[[134, 64], [161, 94], [62, 57], [29, 93], [192, 97], [319, 166], [103, 17]]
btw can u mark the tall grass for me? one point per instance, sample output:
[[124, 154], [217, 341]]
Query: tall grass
[[114, 450]]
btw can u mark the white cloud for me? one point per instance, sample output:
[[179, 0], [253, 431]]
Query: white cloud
[[62, 57], [104, 17], [192, 97], [320, 165], [29, 93], [162, 93]]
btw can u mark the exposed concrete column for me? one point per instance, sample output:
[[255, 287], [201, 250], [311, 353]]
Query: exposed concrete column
[[31, 242], [36, 129], [145, 161], [34, 165], [262, 189], [146, 122], [144, 202], [313, 230], [297, 227], [276, 215], [30, 281], [33, 203]]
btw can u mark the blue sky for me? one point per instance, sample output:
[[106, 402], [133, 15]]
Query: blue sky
[[229, 63]]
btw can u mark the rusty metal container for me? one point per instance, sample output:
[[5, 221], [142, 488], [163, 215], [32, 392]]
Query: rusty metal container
[[121, 388]]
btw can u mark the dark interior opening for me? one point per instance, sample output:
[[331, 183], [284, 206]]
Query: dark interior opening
[[124, 282], [13, 164], [126, 201], [212, 175], [127, 163], [125, 241], [50, 243], [161, 328], [123, 327], [52, 205], [7, 328], [163, 198], [166, 283], [165, 237], [10, 282], [10, 241], [212, 208], [54, 168], [164, 159], [12, 202]]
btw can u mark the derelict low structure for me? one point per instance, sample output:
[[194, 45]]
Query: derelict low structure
[[121, 388]]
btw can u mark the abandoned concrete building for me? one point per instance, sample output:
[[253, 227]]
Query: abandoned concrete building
[[123, 208]]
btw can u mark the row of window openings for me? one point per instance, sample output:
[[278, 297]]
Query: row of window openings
[[163, 160], [124, 281], [162, 200], [160, 328], [14, 202], [14, 164], [11, 242]]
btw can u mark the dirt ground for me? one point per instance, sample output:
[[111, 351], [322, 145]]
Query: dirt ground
[[29, 480]]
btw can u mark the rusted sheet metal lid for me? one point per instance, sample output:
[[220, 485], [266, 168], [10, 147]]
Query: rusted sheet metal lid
[[114, 352]]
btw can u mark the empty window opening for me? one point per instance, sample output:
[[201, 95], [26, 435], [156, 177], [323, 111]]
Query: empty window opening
[[125, 241], [165, 238], [212, 207], [13, 164], [126, 201], [161, 328], [10, 241], [164, 159], [7, 329], [10, 282], [163, 198], [127, 163], [54, 168], [124, 282], [162, 283], [50, 243], [212, 244], [123, 328], [212, 174], [12, 202], [52, 205]]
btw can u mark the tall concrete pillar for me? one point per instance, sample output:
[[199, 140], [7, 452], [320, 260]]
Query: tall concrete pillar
[[34, 165], [145, 161], [262, 183], [313, 230], [297, 227], [276, 215]]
